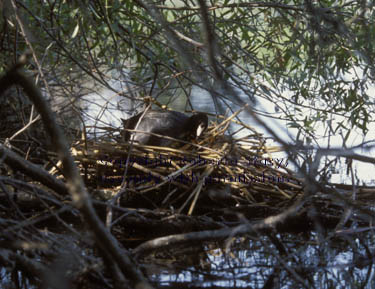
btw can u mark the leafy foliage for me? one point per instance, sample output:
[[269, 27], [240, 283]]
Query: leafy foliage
[[297, 54]]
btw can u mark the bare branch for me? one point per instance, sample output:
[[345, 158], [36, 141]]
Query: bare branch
[[76, 187]]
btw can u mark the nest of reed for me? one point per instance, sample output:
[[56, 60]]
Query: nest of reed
[[217, 176], [215, 181]]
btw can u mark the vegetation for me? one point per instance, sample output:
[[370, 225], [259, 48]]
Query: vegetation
[[312, 62]]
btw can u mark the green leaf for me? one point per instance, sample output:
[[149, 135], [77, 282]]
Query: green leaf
[[75, 32]]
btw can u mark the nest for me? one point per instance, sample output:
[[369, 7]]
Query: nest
[[213, 182], [215, 172]]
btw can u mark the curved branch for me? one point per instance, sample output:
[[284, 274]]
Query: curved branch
[[76, 187]]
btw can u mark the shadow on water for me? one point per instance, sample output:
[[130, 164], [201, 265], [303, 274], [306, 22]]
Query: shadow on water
[[280, 261], [306, 260]]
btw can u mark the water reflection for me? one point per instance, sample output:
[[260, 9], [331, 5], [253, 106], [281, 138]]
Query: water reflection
[[305, 262]]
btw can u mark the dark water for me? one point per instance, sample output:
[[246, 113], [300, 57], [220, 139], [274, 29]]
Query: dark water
[[306, 261]]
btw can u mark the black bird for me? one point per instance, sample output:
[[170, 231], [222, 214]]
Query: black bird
[[167, 123]]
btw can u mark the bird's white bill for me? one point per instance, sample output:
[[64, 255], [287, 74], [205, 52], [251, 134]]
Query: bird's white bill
[[200, 129]]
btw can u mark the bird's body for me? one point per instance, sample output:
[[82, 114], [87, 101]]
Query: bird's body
[[166, 123]]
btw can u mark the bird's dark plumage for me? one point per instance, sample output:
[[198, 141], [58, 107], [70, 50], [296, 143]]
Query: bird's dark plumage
[[167, 123]]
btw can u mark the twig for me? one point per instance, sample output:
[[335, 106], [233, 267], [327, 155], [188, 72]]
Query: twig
[[81, 198], [33, 171]]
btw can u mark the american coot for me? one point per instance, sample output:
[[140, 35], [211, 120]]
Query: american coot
[[167, 123]]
